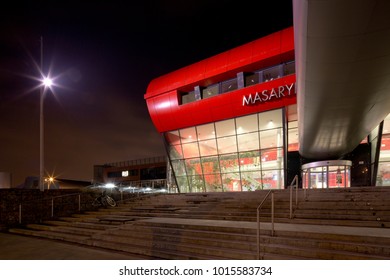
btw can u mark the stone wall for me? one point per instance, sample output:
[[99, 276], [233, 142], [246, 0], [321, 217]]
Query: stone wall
[[22, 206]]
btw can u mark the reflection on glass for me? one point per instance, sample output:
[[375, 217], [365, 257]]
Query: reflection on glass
[[231, 182], [213, 182], [293, 142], [178, 167], [172, 137], [188, 135], [210, 91], [208, 147], [229, 163], [272, 179], [251, 181], [206, 131], [210, 165], [270, 119], [182, 183], [230, 155], [271, 138], [225, 128], [196, 183], [227, 144], [191, 150], [247, 124], [175, 152], [272, 158], [250, 161], [383, 178], [248, 142]]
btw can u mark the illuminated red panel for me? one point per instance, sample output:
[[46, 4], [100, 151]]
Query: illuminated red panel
[[167, 115], [266, 51], [163, 93]]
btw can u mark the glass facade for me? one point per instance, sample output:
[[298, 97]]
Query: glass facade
[[327, 174], [240, 154], [383, 177]]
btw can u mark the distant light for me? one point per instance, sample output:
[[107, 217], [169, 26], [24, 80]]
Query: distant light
[[109, 186], [47, 82]]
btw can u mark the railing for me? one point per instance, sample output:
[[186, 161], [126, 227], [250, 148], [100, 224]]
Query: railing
[[291, 194], [52, 208], [258, 219]]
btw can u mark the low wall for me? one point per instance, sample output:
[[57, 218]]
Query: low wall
[[21, 206]]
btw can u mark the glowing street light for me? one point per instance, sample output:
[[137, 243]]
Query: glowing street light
[[47, 82]]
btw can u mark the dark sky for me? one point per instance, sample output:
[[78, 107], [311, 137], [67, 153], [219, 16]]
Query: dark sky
[[104, 54]]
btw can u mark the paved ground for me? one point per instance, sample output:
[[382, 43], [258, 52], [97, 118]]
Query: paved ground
[[15, 247]]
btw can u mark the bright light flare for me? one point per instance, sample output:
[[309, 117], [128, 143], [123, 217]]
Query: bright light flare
[[47, 82], [109, 186]]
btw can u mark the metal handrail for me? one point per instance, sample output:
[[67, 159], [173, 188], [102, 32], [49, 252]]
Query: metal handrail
[[52, 203], [258, 219], [291, 193]]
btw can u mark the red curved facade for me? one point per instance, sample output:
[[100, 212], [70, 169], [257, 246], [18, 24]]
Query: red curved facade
[[163, 93], [225, 119]]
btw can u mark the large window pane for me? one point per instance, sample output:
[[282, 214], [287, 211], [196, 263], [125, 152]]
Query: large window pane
[[175, 152], [208, 147], [182, 183], [252, 79], [385, 148], [383, 178], [188, 135], [270, 119], [229, 163], [196, 183], [272, 159], [248, 142], [247, 124], [206, 131], [213, 182], [193, 166], [251, 181], [250, 161], [273, 179], [210, 91], [271, 138], [227, 144], [293, 136], [289, 68], [178, 167], [272, 73], [231, 182], [188, 97], [191, 150], [229, 85], [225, 128], [172, 137], [210, 165]]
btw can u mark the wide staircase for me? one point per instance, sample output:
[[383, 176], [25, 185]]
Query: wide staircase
[[348, 224]]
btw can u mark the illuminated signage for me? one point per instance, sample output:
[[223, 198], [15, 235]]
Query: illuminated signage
[[268, 95], [125, 173]]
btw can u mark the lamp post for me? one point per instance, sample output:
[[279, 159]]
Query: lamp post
[[46, 82]]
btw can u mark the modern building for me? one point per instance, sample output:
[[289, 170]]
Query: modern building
[[230, 123], [136, 174]]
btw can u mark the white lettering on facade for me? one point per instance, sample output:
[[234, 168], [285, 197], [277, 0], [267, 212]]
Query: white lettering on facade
[[268, 95]]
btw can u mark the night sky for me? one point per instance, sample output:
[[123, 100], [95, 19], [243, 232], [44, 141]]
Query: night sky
[[104, 54]]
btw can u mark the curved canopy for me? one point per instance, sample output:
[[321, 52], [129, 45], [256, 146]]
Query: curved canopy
[[342, 51]]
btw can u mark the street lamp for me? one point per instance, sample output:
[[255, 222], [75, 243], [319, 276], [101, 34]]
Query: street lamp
[[46, 83]]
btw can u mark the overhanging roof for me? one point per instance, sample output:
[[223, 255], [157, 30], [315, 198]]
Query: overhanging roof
[[342, 52]]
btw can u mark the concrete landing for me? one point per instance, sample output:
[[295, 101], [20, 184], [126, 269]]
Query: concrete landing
[[16, 247]]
